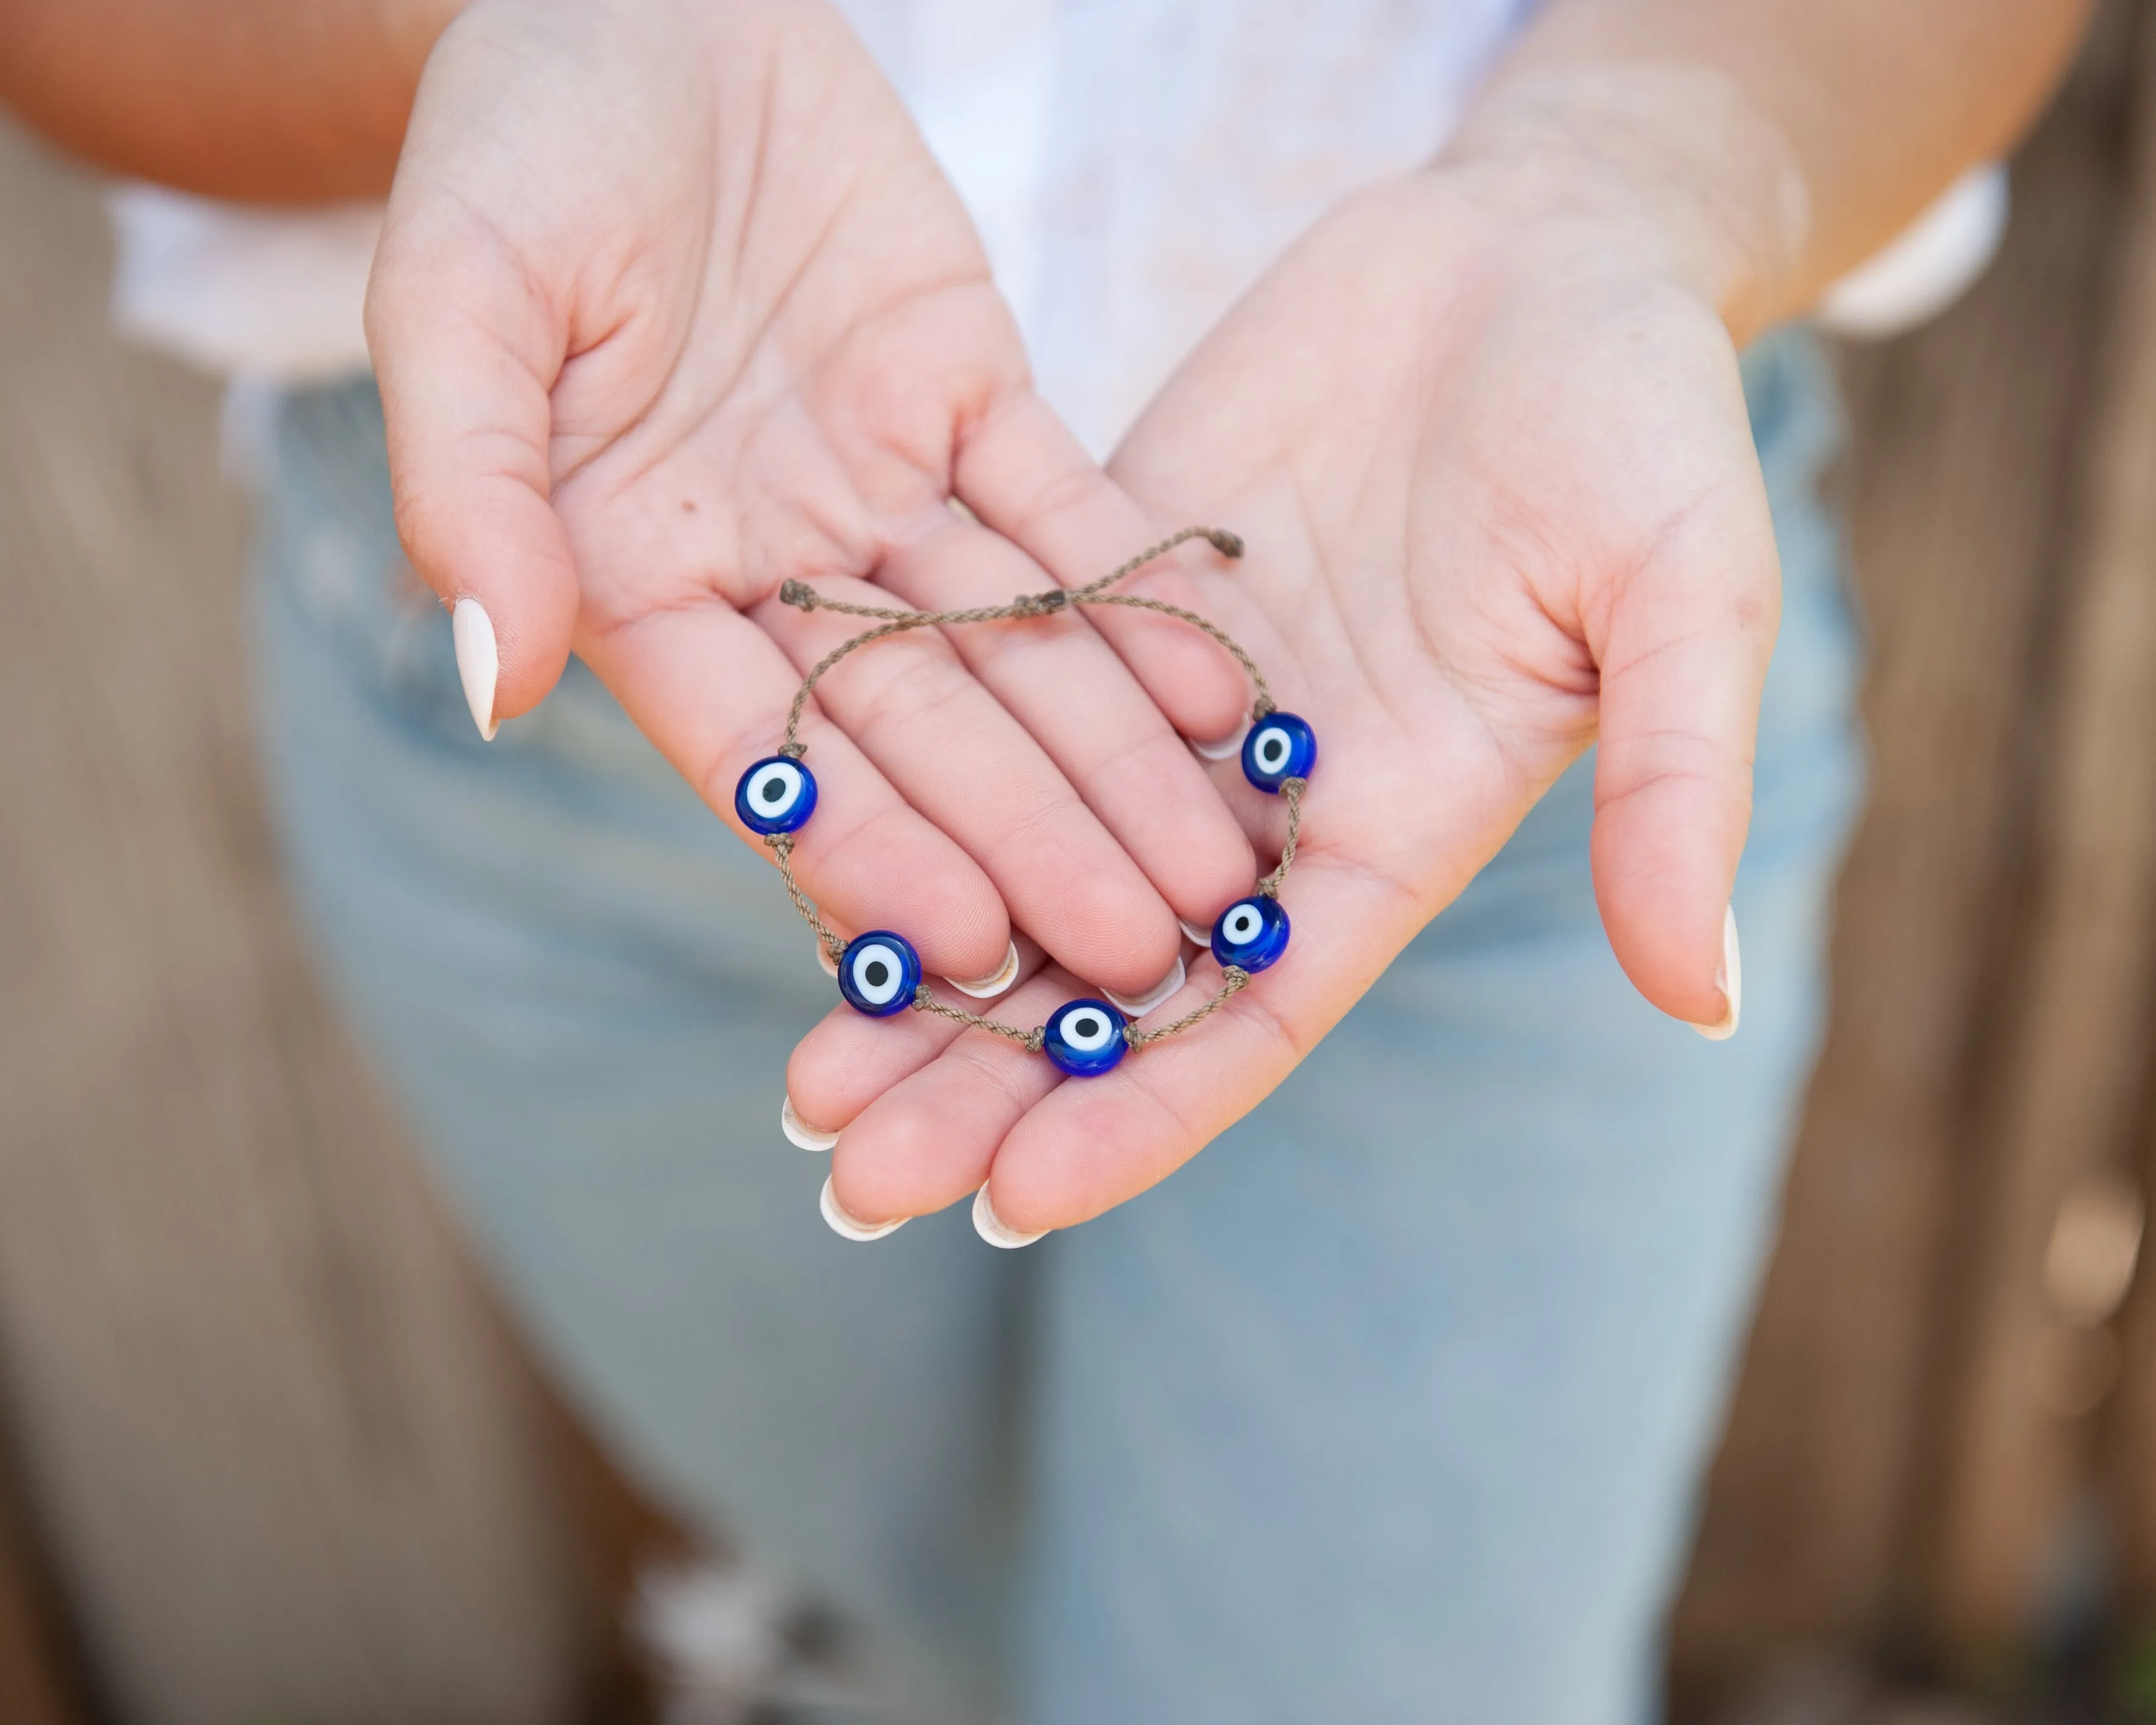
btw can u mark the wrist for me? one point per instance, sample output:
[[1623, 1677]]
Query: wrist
[[1673, 160]]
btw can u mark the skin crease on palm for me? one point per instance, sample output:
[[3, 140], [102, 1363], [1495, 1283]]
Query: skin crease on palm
[[1549, 523], [673, 303]]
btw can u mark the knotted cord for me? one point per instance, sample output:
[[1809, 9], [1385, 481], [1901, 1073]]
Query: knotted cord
[[895, 621]]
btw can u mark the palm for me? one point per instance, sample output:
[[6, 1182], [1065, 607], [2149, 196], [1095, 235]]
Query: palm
[[1459, 481], [673, 305], [1501, 499]]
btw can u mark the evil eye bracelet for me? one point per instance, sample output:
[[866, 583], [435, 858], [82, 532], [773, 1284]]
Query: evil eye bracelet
[[879, 973]]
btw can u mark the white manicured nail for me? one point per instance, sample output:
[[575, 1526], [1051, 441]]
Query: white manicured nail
[[1223, 747], [846, 1227], [799, 1134], [1730, 979], [1136, 1006], [824, 958], [1196, 935], [478, 661], [990, 1226], [988, 987]]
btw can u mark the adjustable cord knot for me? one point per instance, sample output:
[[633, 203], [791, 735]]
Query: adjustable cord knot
[[1228, 544], [1039, 604], [797, 593]]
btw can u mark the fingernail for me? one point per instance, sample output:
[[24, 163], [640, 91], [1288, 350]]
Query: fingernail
[[993, 984], [1196, 935], [799, 1134], [1136, 1006], [846, 1226], [991, 1228], [1225, 747], [1730, 979], [478, 661], [824, 958]]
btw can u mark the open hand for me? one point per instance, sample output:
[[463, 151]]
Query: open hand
[[1498, 485], [673, 303]]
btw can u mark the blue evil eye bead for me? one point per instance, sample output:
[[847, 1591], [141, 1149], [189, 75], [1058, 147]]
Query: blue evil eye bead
[[1084, 1038], [878, 974], [777, 795], [1279, 748], [1251, 934]]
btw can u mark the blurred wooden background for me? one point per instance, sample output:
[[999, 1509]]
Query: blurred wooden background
[[1942, 1455], [276, 1457], [266, 1453]]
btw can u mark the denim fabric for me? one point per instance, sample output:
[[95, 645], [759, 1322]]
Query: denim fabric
[[1391, 1407]]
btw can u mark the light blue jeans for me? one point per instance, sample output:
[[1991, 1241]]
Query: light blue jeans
[[1392, 1407]]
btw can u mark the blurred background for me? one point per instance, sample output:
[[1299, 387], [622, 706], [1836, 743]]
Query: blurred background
[[267, 1453]]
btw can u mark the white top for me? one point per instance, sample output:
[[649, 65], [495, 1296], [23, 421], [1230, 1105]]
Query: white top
[[1132, 165]]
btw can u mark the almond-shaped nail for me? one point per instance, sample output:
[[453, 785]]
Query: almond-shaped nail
[[1136, 1006], [1200, 937], [478, 661], [800, 1134], [996, 983], [1221, 748], [1730, 979], [992, 1227], [848, 1227]]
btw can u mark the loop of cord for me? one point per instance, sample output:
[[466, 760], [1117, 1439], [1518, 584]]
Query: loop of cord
[[897, 621], [893, 621]]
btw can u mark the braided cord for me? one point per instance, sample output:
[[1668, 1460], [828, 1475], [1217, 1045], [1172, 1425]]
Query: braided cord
[[896, 621], [1234, 979], [782, 848], [1292, 790], [1030, 1040], [893, 621]]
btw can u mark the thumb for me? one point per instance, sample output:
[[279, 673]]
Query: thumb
[[1683, 665], [466, 355]]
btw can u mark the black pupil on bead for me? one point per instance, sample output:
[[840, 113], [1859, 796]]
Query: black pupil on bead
[[1087, 1026], [1242, 926], [875, 973], [1273, 750], [774, 788]]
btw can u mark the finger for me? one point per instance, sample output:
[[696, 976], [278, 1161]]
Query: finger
[[957, 755], [465, 354], [1087, 1144], [927, 1141], [711, 690], [849, 1059], [1683, 664], [1024, 474], [1066, 686]]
